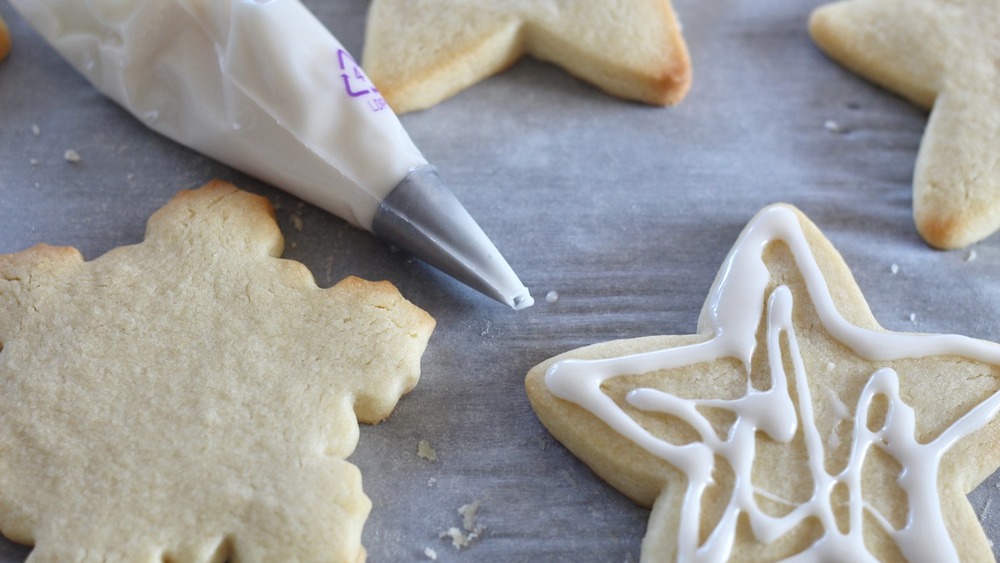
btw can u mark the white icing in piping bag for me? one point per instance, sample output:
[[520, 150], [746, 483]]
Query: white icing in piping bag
[[263, 86]]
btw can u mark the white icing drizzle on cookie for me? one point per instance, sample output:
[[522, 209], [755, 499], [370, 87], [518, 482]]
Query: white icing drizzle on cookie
[[735, 308]]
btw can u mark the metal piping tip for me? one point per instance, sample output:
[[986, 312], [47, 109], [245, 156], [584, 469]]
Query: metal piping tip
[[423, 217], [522, 301]]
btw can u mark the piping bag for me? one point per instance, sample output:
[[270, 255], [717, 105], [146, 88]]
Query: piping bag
[[264, 87]]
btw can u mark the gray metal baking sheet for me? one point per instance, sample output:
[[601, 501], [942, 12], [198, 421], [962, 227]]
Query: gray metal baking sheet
[[626, 211]]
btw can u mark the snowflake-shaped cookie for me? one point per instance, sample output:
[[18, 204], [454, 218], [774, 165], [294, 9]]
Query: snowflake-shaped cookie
[[193, 397]]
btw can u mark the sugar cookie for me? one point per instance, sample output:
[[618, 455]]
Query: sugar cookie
[[945, 57], [791, 422], [193, 397], [420, 53]]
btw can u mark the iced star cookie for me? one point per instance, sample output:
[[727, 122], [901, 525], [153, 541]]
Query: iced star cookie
[[945, 57], [420, 53], [193, 398], [790, 425]]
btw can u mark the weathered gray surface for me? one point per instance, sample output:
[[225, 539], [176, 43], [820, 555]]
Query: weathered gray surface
[[626, 211]]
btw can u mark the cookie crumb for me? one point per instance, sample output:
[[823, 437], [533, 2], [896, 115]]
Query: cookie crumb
[[298, 223], [971, 255], [36, 130], [71, 156], [831, 126], [552, 297], [913, 317], [469, 512], [432, 481], [34, 162], [425, 450], [430, 554], [894, 268], [460, 539]]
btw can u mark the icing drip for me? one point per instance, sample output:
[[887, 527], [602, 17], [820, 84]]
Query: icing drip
[[736, 305]]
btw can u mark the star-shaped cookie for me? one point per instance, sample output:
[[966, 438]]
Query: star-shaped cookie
[[791, 425], [193, 398], [421, 52], [944, 55]]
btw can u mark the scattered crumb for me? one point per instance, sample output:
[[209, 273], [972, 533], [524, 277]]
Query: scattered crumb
[[469, 513], [894, 269], [552, 296], [298, 223], [971, 255], [831, 126], [430, 554], [72, 156], [34, 162], [425, 451], [432, 481], [913, 317], [36, 130], [460, 539]]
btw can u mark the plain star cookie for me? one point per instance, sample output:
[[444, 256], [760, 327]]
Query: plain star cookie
[[419, 53], [944, 56], [791, 425], [193, 398]]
